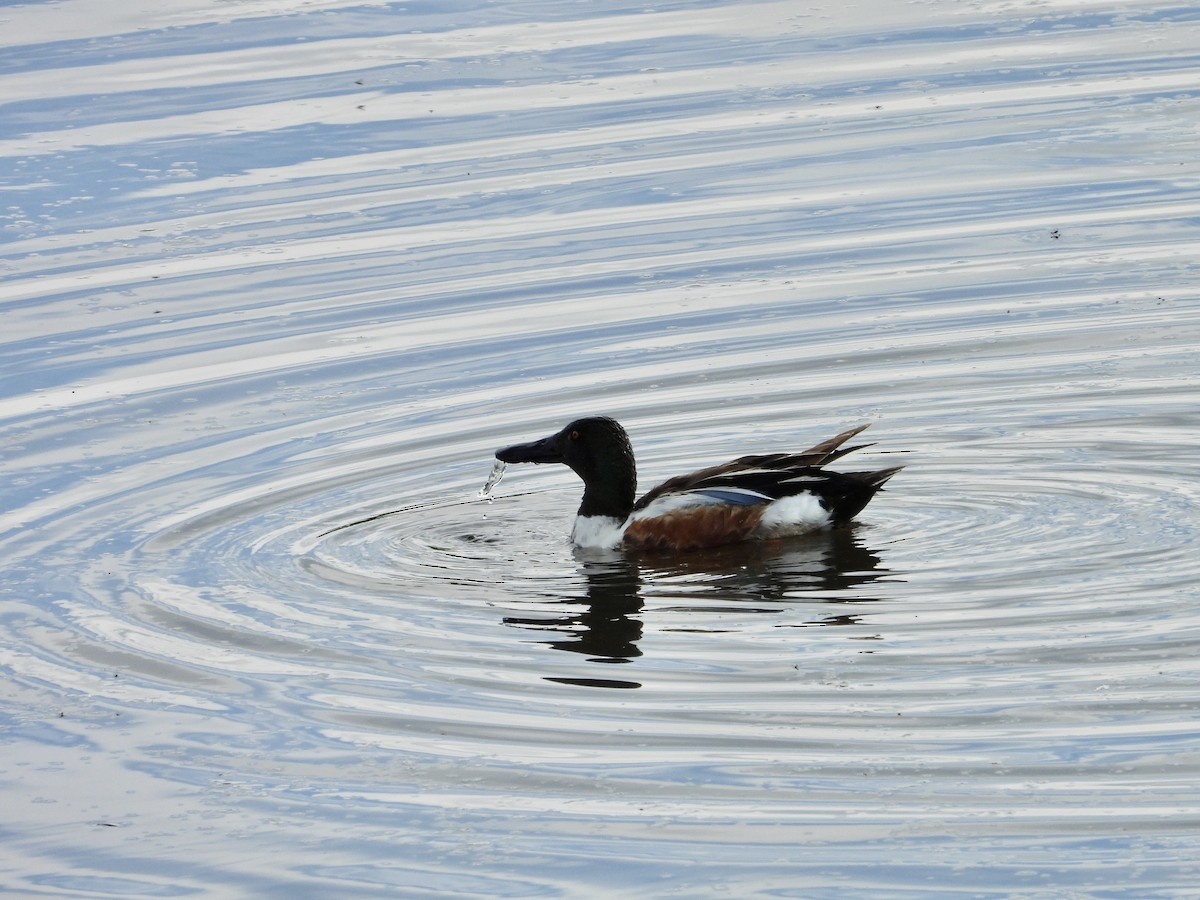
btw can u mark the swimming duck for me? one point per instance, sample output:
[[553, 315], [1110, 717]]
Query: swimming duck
[[751, 498]]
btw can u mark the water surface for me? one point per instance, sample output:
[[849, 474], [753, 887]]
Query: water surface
[[278, 278]]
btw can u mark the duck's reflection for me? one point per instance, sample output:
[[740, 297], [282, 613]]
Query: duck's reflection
[[603, 627], [828, 562], [743, 578]]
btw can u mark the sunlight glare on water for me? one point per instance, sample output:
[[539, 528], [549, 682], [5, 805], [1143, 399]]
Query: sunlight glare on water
[[277, 281]]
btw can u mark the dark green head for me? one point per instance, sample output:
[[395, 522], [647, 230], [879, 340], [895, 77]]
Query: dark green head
[[598, 450]]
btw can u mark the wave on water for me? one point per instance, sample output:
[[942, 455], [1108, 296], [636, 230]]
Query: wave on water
[[279, 278]]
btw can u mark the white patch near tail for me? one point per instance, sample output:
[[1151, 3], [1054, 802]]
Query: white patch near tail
[[797, 514]]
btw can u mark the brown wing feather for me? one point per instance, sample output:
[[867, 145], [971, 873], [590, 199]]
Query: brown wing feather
[[822, 453]]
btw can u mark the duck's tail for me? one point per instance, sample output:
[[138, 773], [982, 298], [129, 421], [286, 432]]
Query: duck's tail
[[878, 478], [855, 491]]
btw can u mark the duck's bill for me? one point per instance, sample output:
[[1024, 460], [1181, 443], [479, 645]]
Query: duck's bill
[[544, 451]]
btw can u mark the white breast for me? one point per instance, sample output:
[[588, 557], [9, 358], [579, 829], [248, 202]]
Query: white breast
[[601, 532]]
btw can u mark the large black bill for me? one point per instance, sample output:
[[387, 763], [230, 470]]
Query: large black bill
[[543, 451]]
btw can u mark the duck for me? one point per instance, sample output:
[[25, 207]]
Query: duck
[[762, 497]]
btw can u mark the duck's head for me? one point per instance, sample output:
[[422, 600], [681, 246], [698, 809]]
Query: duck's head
[[598, 450]]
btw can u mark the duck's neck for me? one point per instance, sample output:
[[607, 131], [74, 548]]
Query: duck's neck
[[607, 502], [611, 497]]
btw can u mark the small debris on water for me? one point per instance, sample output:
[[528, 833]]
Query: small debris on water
[[485, 492]]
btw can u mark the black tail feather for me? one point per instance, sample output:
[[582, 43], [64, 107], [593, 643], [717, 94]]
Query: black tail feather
[[853, 491]]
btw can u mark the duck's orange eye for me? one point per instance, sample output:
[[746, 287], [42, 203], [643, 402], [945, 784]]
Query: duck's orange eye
[[575, 435]]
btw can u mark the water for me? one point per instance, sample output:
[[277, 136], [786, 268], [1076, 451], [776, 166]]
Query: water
[[488, 491], [277, 279]]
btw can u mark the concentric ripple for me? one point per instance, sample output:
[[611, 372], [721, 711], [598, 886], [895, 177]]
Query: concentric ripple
[[278, 282]]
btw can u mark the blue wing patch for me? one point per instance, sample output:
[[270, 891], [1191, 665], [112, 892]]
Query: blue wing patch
[[732, 495]]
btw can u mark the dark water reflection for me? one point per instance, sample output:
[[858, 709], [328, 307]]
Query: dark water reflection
[[756, 578], [836, 561]]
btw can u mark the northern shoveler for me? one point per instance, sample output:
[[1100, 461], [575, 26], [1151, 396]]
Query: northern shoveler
[[751, 498]]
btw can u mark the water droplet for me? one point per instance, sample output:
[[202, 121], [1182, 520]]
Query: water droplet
[[485, 492]]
